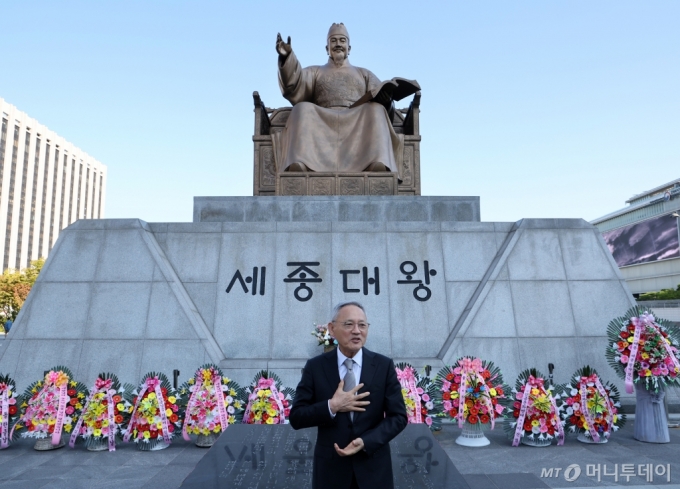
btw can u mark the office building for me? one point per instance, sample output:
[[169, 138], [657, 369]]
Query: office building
[[644, 238], [46, 183]]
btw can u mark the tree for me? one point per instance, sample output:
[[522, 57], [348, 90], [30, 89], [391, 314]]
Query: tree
[[662, 295], [14, 288]]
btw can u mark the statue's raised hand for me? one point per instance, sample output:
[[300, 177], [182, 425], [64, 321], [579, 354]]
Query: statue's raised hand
[[283, 48]]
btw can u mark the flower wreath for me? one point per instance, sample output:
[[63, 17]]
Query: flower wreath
[[10, 402], [472, 390], [535, 414], [51, 405], [268, 402], [419, 396], [601, 415], [644, 348], [323, 336], [214, 402], [156, 415], [105, 413]]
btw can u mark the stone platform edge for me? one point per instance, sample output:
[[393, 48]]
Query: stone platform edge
[[390, 208]]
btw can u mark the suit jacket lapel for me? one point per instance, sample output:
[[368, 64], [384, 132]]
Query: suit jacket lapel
[[331, 369], [367, 372]]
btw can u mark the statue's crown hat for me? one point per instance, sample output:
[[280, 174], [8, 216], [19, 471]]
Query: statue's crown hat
[[338, 30]]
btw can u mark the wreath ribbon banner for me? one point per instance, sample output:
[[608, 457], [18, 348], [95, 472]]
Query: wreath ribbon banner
[[217, 382], [192, 401], [56, 435], [4, 410], [407, 380]]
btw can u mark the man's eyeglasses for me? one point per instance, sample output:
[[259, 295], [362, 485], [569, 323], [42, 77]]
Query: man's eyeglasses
[[349, 325]]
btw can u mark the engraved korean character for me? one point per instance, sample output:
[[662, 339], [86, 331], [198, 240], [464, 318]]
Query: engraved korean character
[[421, 293], [663, 469], [367, 281], [593, 470], [252, 279], [627, 471], [646, 471], [302, 275], [615, 473]]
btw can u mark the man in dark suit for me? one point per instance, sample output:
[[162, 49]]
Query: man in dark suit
[[354, 398]]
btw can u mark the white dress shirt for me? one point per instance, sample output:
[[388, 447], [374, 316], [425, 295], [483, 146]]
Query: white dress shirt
[[342, 370]]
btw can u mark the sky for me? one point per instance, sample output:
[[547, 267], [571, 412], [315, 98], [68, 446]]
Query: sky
[[541, 108]]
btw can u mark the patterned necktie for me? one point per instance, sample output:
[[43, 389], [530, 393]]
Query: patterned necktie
[[350, 380]]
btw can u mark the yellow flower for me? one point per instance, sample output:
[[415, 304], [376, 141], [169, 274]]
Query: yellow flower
[[191, 381], [168, 412], [73, 383], [147, 435], [120, 406], [172, 399], [492, 392], [81, 395], [152, 395], [226, 380], [270, 421], [645, 355], [231, 420], [534, 392], [51, 421], [237, 404], [454, 395], [97, 432], [630, 340], [105, 423], [217, 429], [585, 425], [260, 393], [232, 392], [535, 423], [79, 406], [67, 428], [159, 425]]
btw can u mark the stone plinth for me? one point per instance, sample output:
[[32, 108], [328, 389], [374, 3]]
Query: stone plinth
[[326, 183], [336, 209], [129, 297]]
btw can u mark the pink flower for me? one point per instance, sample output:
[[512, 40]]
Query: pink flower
[[448, 405], [69, 409], [419, 390], [656, 371], [428, 421], [425, 397], [446, 385], [624, 359]]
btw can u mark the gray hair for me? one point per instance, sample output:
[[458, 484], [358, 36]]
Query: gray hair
[[336, 309]]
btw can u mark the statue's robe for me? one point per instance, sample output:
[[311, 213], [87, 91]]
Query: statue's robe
[[322, 132]]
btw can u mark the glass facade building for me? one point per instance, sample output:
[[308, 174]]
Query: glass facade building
[[39, 171]]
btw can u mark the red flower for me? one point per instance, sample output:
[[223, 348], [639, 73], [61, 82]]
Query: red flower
[[515, 413], [171, 428], [117, 398], [154, 434], [71, 392], [174, 418], [499, 391], [474, 412], [449, 377], [164, 391], [551, 430], [486, 374], [527, 425], [453, 412], [12, 410], [118, 419], [73, 401], [624, 334], [50, 429], [473, 419], [484, 418], [286, 412], [446, 396]]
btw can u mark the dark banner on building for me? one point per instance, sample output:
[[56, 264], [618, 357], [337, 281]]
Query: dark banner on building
[[647, 241]]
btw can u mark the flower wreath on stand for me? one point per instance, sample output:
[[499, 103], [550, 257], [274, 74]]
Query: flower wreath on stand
[[105, 413], [157, 416], [535, 419], [324, 337], [268, 401], [472, 390], [644, 349], [10, 402], [419, 396], [51, 406], [590, 407], [214, 402]]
